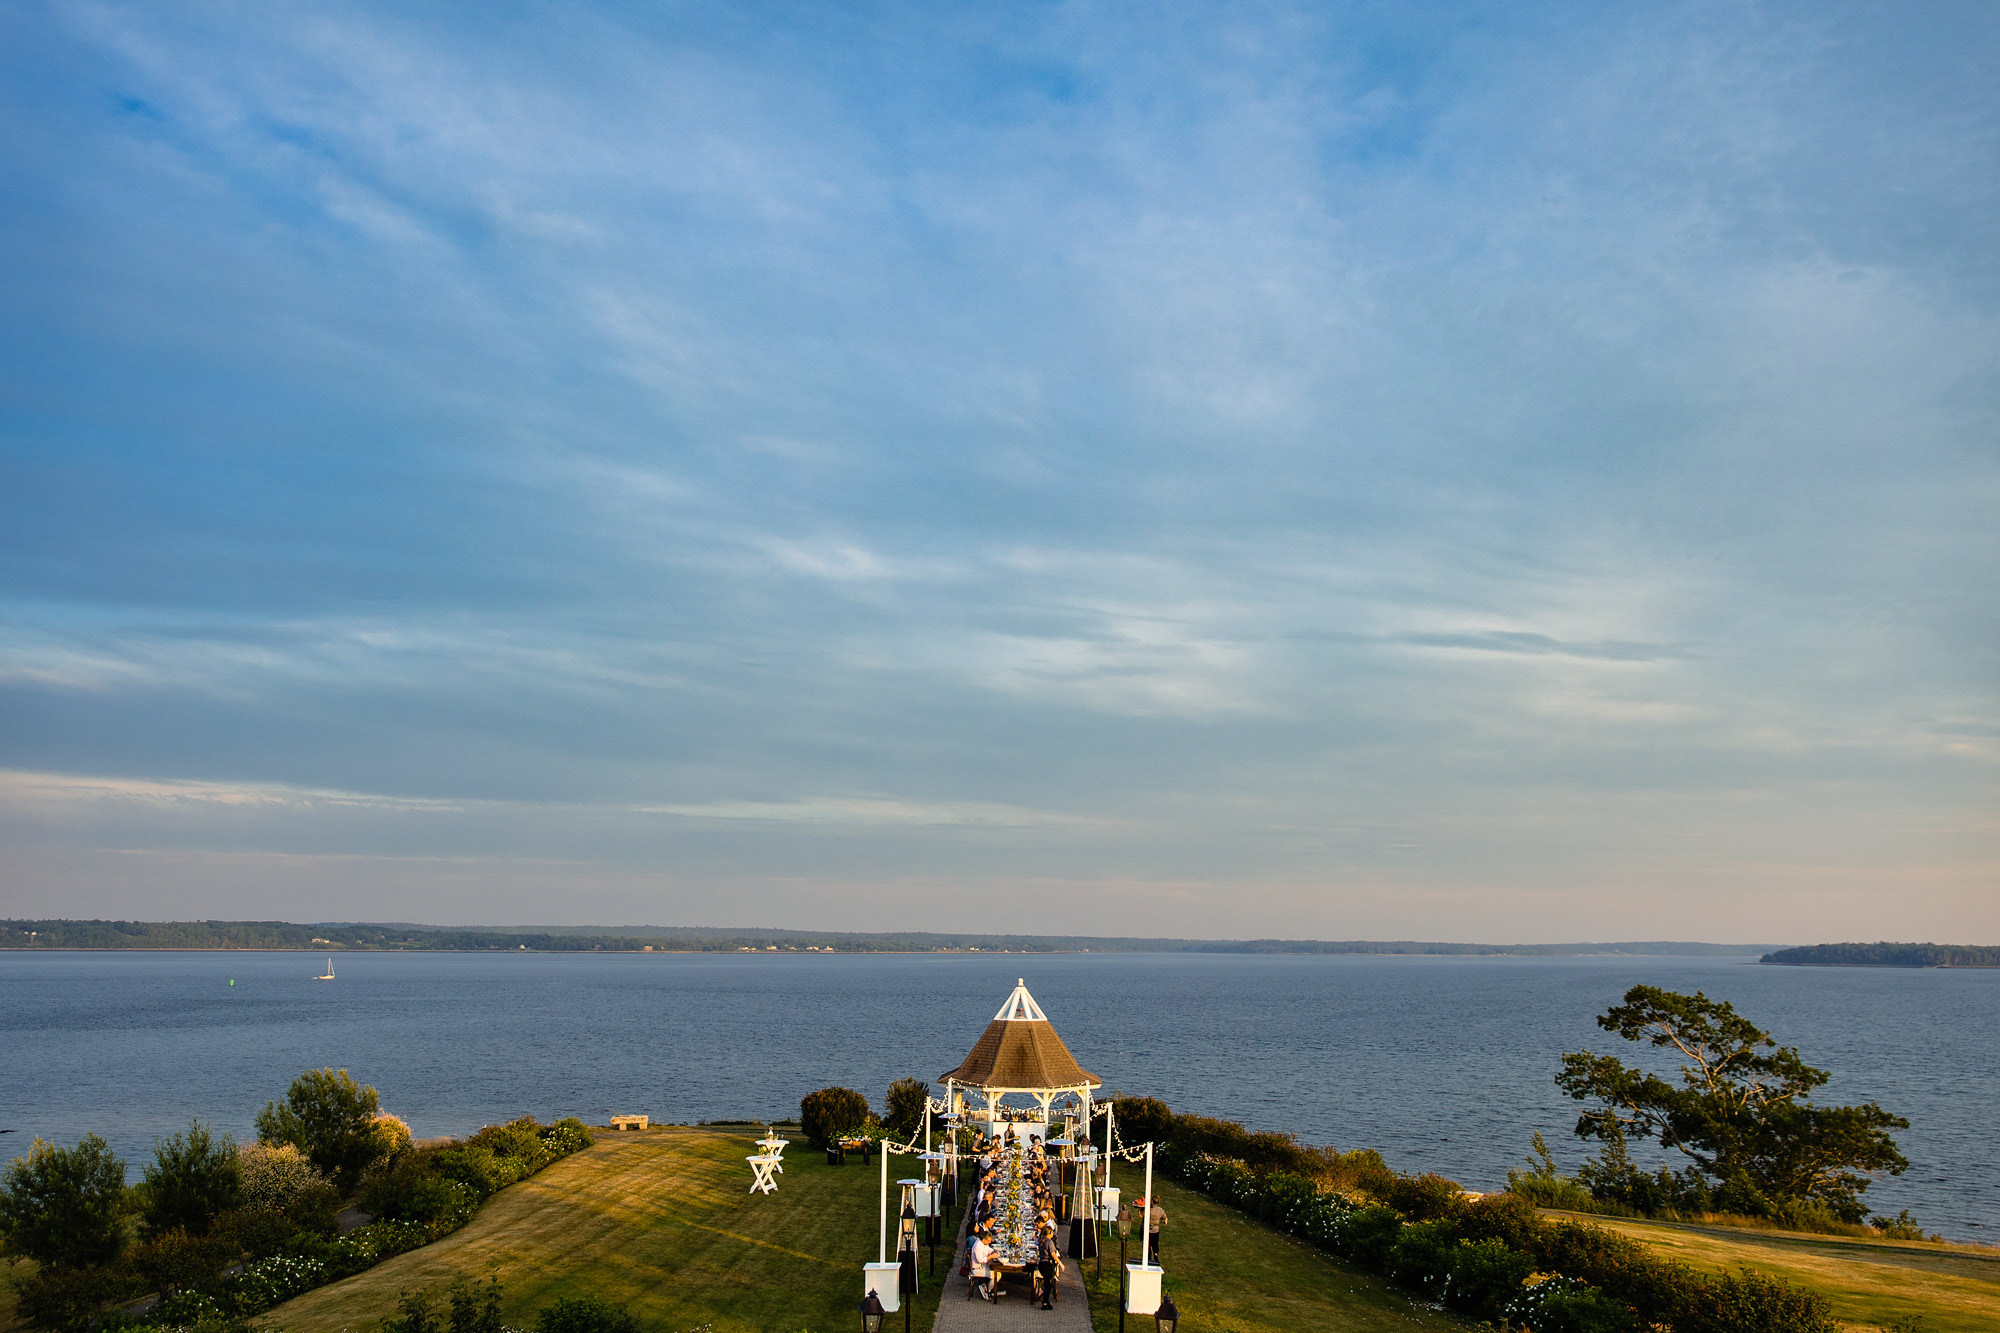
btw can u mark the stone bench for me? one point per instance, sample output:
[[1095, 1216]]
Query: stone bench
[[629, 1121]]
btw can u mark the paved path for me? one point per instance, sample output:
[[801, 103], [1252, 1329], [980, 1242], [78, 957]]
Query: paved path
[[1017, 1310]]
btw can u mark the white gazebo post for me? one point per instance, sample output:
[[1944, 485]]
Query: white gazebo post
[[1142, 1280], [1145, 1228], [881, 1276], [1108, 1140]]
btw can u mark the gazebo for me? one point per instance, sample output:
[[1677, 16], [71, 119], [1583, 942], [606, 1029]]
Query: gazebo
[[1019, 1053]]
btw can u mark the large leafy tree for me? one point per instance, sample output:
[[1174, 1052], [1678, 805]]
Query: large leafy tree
[[903, 1108], [1742, 1111], [61, 1206], [832, 1113], [193, 1177], [331, 1119]]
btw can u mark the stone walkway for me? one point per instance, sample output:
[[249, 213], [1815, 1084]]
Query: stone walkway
[[1017, 1310]]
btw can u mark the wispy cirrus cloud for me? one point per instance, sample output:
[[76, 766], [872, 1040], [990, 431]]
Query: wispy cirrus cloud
[[1311, 453]]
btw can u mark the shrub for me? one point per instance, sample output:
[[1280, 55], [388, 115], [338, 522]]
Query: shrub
[[257, 1232], [414, 1314], [1362, 1170], [518, 1142], [1621, 1267], [1142, 1119], [67, 1297], [1507, 1218], [61, 1206], [193, 1178], [1552, 1192], [832, 1113], [375, 1242], [189, 1309], [1900, 1227], [439, 1203], [391, 1133], [476, 1309], [268, 1282], [173, 1260], [567, 1136], [1482, 1276], [584, 1314], [1749, 1302], [478, 1167], [275, 1176], [1369, 1236], [1421, 1255], [1424, 1198], [437, 1188], [1282, 1196], [316, 1212], [331, 1119], [903, 1107], [1564, 1305], [1261, 1151]]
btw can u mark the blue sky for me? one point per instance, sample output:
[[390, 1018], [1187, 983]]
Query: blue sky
[[1442, 471]]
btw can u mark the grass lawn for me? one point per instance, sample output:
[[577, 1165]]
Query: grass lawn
[[1955, 1288], [661, 1221], [1230, 1274]]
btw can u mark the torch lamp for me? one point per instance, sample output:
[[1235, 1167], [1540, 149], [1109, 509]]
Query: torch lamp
[[906, 1253], [1124, 1231]]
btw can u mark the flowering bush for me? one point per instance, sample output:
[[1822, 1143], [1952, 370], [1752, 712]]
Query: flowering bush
[[567, 1136], [1563, 1305], [184, 1309], [275, 1175], [268, 1282]]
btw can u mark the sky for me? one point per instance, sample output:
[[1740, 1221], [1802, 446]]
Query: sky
[[1507, 472]]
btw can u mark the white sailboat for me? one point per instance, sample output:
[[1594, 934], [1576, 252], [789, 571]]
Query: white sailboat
[[329, 972]]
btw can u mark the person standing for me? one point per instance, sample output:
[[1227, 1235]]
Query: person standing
[[1048, 1267], [1156, 1217]]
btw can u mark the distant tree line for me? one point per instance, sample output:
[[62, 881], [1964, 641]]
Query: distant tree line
[[1885, 954], [56, 934]]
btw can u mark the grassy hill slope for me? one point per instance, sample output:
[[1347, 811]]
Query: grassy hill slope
[[661, 1221], [1956, 1288]]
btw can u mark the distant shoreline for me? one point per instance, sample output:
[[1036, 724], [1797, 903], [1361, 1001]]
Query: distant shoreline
[[45, 936]]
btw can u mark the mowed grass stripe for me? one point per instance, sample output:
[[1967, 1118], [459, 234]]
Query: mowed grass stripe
[[661, 1221], [1871, 1283], [1230, 1274]]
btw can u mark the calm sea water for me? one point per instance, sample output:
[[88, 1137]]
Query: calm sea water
[[1445, 1064]]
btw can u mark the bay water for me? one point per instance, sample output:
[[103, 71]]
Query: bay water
[[1444, 1063]]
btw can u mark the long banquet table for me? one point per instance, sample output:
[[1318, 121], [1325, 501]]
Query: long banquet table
[[1015, 1240]]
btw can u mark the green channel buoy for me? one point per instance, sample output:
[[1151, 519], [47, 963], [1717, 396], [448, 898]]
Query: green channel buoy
[[232, 981]]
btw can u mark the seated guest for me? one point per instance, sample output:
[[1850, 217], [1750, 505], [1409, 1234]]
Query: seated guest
[[979, 1278]]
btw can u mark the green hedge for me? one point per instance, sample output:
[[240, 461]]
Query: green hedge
[[1475, 1256], [440, 1188]]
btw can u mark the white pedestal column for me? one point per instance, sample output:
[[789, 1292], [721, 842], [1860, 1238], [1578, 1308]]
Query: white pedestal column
[[1142, 1288], [881, 1279]]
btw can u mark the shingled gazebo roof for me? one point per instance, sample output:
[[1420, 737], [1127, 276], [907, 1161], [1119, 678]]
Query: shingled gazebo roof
[[1020, 1052]]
